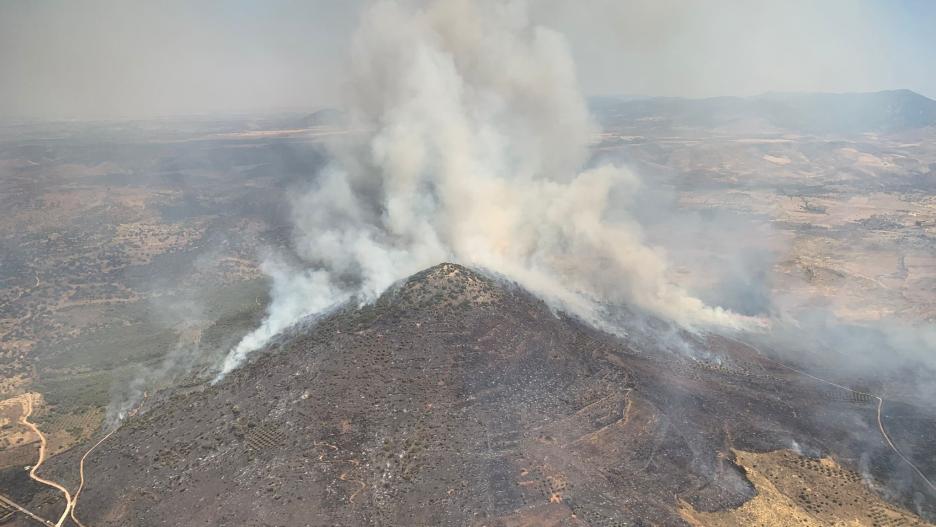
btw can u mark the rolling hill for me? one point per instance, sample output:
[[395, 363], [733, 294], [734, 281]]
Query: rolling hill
[[459, 399]]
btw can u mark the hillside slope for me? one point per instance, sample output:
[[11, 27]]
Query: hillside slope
[[457, 399]]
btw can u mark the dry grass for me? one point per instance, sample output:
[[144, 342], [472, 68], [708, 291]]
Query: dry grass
[[794, 490]]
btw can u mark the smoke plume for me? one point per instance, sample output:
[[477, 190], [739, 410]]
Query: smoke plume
[[475, 151]]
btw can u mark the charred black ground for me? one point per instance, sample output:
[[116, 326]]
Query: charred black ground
[[457, 399]]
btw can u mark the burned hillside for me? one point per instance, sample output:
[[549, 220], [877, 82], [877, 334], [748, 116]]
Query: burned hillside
[[456, 399]]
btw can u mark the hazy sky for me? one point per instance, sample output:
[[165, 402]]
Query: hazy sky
[[128, 58]]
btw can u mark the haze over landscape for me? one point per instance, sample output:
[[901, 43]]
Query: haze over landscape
[[467, 263], [106, 59]]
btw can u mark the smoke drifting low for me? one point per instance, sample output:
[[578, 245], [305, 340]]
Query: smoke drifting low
[[476, 152]]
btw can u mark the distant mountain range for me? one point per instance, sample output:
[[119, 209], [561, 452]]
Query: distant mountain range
[[811, 113], [845, 113], [323, 117]]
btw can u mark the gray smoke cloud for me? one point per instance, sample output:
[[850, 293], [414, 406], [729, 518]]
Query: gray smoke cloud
[[182, 314], [475, 151]]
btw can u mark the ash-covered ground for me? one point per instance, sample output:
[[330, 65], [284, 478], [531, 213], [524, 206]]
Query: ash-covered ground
[[459, 399]]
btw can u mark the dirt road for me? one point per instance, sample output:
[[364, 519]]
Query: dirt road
[[81, 475], [880, 406], [28, 401], [10, 503]]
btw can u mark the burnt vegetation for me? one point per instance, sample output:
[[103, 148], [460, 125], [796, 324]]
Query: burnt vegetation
[[457, 399]]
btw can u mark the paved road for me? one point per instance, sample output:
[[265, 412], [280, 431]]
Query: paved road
[[24, 510]]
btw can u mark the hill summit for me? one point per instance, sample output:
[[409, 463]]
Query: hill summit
[[447, 284]]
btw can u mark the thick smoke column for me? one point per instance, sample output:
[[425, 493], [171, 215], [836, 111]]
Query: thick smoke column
[[476, 153]]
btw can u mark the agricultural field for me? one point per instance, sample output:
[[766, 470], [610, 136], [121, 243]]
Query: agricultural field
[[130, 263], [129, 257]]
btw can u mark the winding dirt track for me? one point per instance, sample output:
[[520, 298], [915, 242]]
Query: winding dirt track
[[74, 504], [27, 403], [880, 407], [71, 502]]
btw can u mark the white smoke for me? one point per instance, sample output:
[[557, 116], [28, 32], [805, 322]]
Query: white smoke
[[296, 293], [476, 153]]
